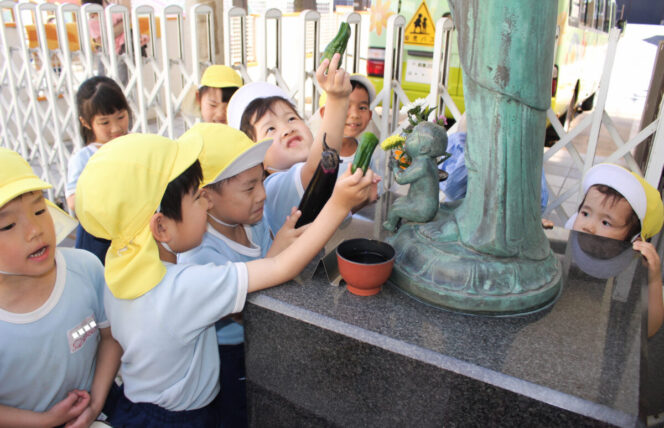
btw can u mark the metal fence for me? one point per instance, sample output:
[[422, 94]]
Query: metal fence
[[48, 51]]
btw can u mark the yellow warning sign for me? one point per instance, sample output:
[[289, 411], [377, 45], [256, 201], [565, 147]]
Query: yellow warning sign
[[421, 29]]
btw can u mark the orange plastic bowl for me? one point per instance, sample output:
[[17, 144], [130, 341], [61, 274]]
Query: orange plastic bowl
[[365, 265]]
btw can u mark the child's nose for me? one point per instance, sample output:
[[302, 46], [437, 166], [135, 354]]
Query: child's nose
[[287, 131], [32, 230]]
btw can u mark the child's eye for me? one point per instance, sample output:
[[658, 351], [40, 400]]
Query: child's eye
[[584, 213], [269, 129], [8, 227], [40, 212], [606, 223], [364, 108], [292, 119]]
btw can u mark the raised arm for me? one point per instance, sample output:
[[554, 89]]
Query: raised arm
[[336, 83]]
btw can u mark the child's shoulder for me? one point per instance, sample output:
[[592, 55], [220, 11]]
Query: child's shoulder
[[81, 262], [82, 155]]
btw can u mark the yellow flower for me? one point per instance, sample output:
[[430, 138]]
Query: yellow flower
[[392, 142], [379, 14]]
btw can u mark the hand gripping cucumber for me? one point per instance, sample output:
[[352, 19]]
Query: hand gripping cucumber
[[338, 44], [365, 149]]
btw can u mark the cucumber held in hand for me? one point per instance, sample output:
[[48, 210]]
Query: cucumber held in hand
[[338, 44], [320, 187], [365, 149]]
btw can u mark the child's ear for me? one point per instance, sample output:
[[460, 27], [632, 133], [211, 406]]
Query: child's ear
[[205, 193], [84, 123], [322, 111], [159, 226], [198, 98]]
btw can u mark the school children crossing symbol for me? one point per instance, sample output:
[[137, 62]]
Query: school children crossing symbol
[[421, 28]]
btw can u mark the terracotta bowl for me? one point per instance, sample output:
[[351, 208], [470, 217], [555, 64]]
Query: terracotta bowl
[[365, 265]]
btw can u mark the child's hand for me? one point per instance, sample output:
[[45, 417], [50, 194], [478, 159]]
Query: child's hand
[[287, 234], [336, 82], [83, 420], [547, 224], [650, 256], [69, 408], [352, 190]]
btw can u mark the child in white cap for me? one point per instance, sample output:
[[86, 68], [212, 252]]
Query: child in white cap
[[358, 119], [237, 231], [264, 111], [619, 204], [163, 313], [210, 100], [57, 357]]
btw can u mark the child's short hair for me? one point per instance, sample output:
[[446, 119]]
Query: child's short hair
[[259, 108], [612, 197], [171, 202], [99, 95]]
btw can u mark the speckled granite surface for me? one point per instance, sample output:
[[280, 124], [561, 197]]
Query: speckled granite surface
[[319, 356]]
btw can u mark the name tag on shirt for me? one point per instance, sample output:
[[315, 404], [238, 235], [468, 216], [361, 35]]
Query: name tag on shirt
[[78, 335]]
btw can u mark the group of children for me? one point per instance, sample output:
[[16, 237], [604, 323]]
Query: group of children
[[186, 229]]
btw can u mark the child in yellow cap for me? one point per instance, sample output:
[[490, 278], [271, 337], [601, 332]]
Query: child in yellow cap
[[237, 231], [163, 313], [58, 359], [619, 204], [210, 100]]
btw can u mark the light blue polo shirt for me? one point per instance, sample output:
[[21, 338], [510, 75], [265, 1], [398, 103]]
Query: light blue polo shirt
[[47, 353]]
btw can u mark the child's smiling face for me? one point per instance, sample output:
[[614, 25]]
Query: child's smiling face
[[359, 113], [213, 108], [106, 127], [604, 216], [291, 137], [27, 236]]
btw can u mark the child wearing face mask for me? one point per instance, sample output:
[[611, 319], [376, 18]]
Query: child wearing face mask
[[619, 204]]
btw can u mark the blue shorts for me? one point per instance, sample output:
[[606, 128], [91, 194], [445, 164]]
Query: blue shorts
[[147, 415], [233, 392]]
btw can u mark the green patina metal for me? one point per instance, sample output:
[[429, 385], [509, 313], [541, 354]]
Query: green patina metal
[[488, 253]]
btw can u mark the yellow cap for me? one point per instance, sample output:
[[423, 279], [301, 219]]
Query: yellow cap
[[119, 190], [226, 151], [644, 199], [221, 76], [215, 76], [17, 178]]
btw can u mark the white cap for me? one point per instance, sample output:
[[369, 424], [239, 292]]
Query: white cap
[[248, 93]]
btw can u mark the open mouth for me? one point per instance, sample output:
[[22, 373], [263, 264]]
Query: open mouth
[[40, 253], [293, 142]]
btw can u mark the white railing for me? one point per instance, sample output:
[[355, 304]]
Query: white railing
[[47, 52], [623, 151]]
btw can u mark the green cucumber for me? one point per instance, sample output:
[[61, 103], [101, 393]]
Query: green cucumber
[[365, 149], [338, 44]]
